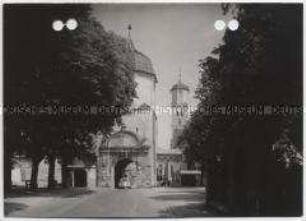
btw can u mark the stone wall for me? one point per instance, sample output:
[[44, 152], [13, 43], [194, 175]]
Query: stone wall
[[91, 177], [145, 89], [141, 177], [22, 169]]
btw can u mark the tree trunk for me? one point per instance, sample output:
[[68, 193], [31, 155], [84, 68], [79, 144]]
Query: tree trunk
[[51, 178], [7, 147], [34, 174], [64, 173], [210, 183], [7, 173], [202, 174]]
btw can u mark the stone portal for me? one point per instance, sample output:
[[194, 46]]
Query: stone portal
[[124, 155]]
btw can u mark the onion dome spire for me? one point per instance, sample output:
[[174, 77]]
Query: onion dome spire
[[129, 38]]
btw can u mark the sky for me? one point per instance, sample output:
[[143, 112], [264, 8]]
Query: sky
[[174, 36]]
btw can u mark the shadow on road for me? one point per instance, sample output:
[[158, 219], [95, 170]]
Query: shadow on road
[[62, 193], [185, 197], [182, 189], [10, 207], [183, 203], [188, 195], [185, 211]]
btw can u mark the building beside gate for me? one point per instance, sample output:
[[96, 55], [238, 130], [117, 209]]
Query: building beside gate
[[169, 165]]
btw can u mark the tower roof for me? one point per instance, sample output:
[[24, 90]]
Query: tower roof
[[179, 85], [143, 63]]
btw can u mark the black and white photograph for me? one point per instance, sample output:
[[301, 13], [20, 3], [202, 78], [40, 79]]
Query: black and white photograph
[[152, 110]]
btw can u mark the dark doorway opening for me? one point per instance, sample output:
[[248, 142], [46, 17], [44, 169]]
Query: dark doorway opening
[[80, 178], [120, 170], [188, 180]]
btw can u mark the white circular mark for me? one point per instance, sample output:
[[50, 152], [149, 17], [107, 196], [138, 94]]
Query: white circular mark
[[233, 25], [219, 25], [58, 25], [71, 24]]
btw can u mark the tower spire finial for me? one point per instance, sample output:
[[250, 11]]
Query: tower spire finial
[[129, 30], [180, 75], [129, 38]]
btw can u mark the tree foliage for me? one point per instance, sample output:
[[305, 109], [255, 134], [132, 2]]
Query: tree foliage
[[258, 64], [47, 70]]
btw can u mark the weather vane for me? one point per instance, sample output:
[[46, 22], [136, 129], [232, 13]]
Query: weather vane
[[130, 29]]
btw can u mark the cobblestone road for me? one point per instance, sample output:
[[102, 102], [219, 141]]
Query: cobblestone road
[[159, 202]]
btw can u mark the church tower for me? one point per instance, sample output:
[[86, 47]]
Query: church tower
[[180, 93]]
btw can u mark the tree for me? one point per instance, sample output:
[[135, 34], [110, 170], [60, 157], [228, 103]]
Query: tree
[[253, 66], [87, 66]]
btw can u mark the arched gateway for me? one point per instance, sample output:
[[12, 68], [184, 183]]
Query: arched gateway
[[125, 155], [121, 171]]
